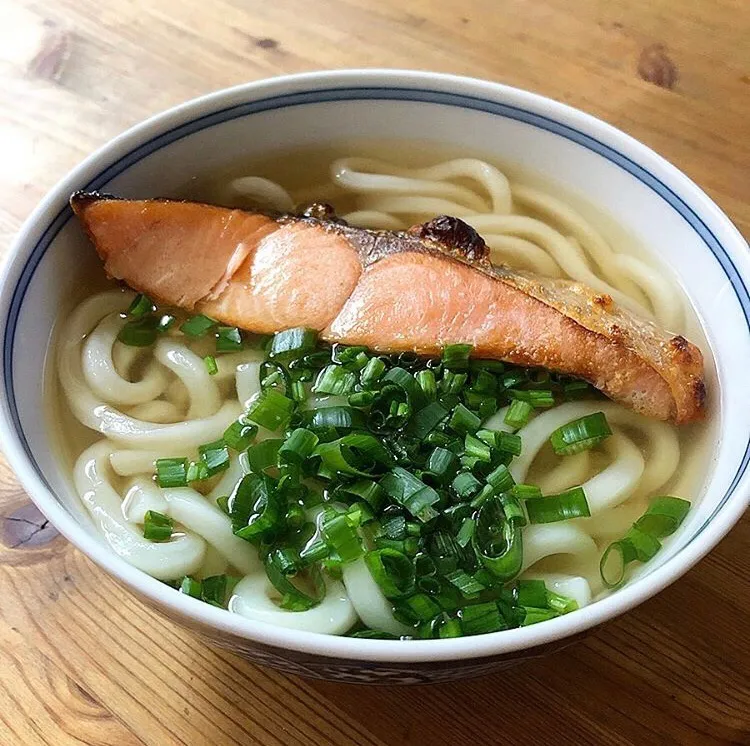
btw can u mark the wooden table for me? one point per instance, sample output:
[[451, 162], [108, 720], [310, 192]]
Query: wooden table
[[81, 662]]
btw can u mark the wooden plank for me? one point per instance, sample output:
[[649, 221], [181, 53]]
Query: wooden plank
[[81, 662]]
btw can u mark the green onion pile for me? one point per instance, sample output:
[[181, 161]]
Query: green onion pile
[[385, 458]]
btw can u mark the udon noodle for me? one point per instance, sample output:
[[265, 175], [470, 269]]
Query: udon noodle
[[155, 402]]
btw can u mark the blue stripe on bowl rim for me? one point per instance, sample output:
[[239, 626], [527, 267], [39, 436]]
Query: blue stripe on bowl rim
[[325, 95]]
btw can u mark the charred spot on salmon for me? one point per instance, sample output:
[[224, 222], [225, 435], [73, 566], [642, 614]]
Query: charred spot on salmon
[[80, 200], [455, 235], [322, 211], [603, 300], [699, 393]]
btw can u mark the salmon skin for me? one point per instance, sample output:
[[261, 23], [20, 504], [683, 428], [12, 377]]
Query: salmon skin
[[392, 291]]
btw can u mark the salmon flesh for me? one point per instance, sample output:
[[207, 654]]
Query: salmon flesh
[[392, 291]]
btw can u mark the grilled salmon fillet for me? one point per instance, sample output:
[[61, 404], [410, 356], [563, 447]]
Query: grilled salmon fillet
[[417, 290]]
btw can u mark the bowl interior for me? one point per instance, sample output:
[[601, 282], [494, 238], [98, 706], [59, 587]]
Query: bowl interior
[[661, 209]]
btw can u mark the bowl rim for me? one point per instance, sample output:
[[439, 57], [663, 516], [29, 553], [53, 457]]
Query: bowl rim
[[330, 646]]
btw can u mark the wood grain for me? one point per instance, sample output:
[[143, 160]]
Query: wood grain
[[82, 662]]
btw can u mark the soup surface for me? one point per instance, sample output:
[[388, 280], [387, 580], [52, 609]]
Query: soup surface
[[343, 491]]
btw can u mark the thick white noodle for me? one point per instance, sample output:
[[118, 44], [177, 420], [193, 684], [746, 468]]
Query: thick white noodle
[[334, 615], [192, 371], [618, 481], [214, 563], [570, 472], [371, 175], [138, 501], [164, 560], [571, 546], [159, 411], [521, 254], [129, 462], [372, 607], [663, 445], [238, 467], [96, 414], [263, 193], [193, 510], [374, 219], [248, 382], [101, 374]]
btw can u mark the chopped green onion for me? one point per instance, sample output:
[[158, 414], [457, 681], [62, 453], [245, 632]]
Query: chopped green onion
[[577, 390], [139, 332], [294, 597], [408, 383], [165, 322], [228, 339], [216, 589], [298, 446], [466, 485], [500, 479], [518, 413], [372, 371], [456, 357], [157, 526], [264, 455], [405, 489], [371, 492], [426, 380], [534, 616], [362, 398], [345, 418], [580, 435], [191, 587], [463, 420], [255, 507], [426, 420], [215, 455], [211, 366], [561, 604], [240, 434], [442, 463], [531, 593], [468, 586], [641, 543], [453, 383], [463, 537], [526, 491], [357, 454], [197, 472], [663, 517], [271, 410], [569, 504], [501, 441], [537, 399], [449, 628], [497, 541], [477, 449], [292, 344], [420, 607], [393, 571], [479, 619], [197, 326], [336, 380], [171, 472], [140, 306], [342, 537]]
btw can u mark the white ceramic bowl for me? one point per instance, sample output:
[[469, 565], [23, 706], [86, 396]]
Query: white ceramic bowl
[[661, 207]]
